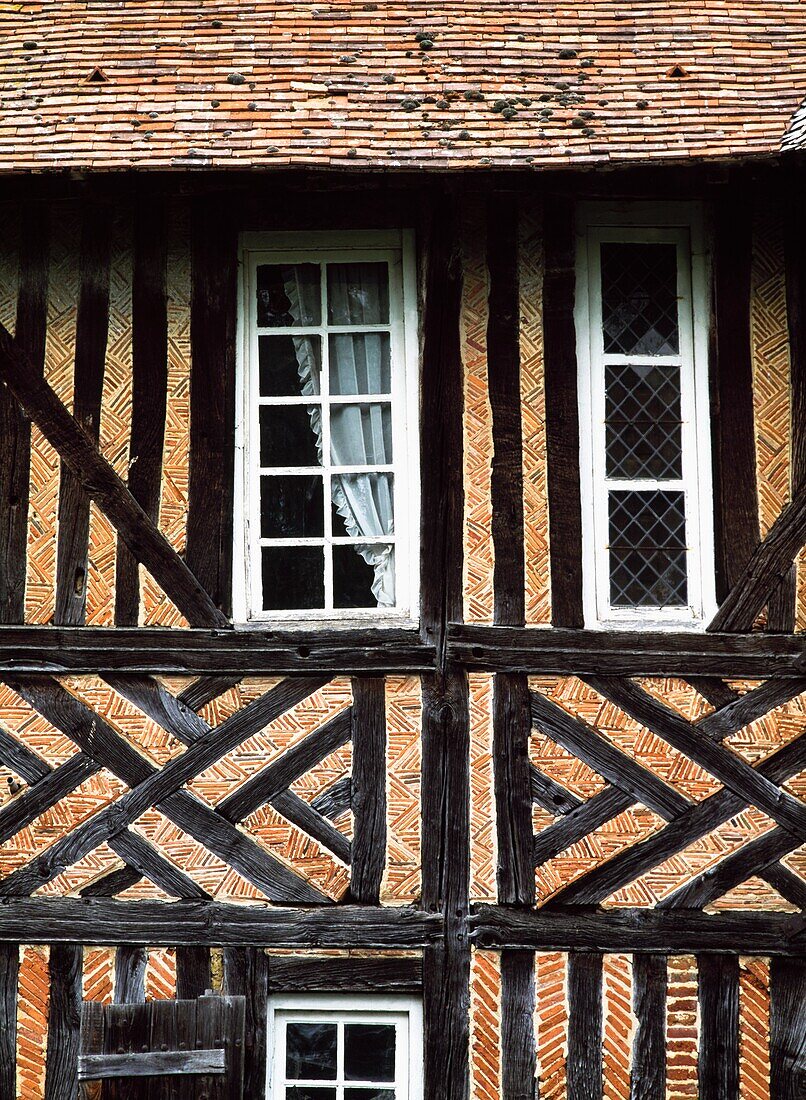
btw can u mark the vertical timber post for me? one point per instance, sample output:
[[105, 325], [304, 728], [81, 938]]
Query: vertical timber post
[[511, 713], [446, 734]]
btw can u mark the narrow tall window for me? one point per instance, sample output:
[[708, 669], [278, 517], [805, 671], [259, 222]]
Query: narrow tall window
[[328, 457], [345, 1048], [644, 435]]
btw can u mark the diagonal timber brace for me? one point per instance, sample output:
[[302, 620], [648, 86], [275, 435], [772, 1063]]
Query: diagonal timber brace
[[99, 481]]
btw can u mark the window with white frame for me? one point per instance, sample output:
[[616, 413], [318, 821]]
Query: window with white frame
[[327, 441], [330, 1047], [641, 317]]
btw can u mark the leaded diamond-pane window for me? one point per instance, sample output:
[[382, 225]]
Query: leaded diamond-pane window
[[642, 413], [644, 439], [639, 299], [647, 549]]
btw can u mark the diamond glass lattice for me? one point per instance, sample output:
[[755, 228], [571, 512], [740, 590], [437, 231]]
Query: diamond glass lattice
[[639, 299], [642, 421], [647, 549]]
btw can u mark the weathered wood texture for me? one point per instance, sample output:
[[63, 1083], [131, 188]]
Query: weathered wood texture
[[15, 428], [624, 653], [788, 1027], [197, 923], [9, 974], [92, 327], [130, 975], [149, 387], [562, 417], [193, 978], [237, 653], [212, 397], [635, 930], [649, 1009], [719, 1029], [584, 1026], [368, 790], [329, 974], [64, 1022], [517, 1025], [735, 492], [246, 974]]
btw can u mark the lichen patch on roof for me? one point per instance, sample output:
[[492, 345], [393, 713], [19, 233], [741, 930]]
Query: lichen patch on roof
[[220, 83]]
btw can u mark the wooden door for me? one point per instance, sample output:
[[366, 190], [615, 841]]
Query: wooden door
[[163, 1050]]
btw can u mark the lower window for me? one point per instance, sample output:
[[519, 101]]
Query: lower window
[[345, 1048]]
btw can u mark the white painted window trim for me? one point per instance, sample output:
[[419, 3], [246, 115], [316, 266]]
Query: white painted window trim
[[396, 247], [404, 1012], [681, 223]]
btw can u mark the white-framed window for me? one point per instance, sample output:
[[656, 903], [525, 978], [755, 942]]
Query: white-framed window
[[327, 485], [641, 318], [344, 1047]]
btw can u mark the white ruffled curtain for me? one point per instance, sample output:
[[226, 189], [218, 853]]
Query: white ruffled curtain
[[358, 435]]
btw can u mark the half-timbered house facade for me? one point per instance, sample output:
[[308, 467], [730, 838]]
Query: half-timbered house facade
[[402, 525]]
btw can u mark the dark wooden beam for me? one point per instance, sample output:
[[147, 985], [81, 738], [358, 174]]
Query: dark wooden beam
[[194, 923], [32, 649], [648, 1072], [518, 1062], [100, 482], [193, 973], [562, 417], [788, 1028], [214, 264], [130, 975], [766, 569], [92, 329], [64, 1022], [9, 974], [445, 720], [735, 492], [246, 974], [634, 930], [368, 789], [306, 973], [718, 1063], [149, 386], [15, 428], [584, 1026], [628, 653]]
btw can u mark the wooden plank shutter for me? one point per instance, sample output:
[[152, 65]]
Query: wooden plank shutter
[[196, 1045]]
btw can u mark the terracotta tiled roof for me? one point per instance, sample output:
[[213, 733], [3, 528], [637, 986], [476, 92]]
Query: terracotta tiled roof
[[171, 84]]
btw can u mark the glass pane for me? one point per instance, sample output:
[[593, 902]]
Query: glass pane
[[369, 1052], [289, 365], [642, 411], [647, 549], [291, 507], [310, 1092], [369, 1094], [288, 435], [359, 569], [360, 363], [310, 1051], [639, 299], [358, 294], [360, 435], [362, 505], [288, 294], [293, 577]]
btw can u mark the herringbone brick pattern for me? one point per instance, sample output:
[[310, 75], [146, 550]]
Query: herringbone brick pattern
[[533, 415], [32, 1021], [63, 288], [754, 1029], [402, 880], [478, 438], [482, 799], [485, 1025]]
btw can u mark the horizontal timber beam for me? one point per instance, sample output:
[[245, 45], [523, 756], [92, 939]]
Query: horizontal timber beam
[[50, 649], [554, 651], [102, 921], [576, 928]]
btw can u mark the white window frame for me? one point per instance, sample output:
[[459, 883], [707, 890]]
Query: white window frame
[[404, 1012], [397, 248], [681, 224]]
